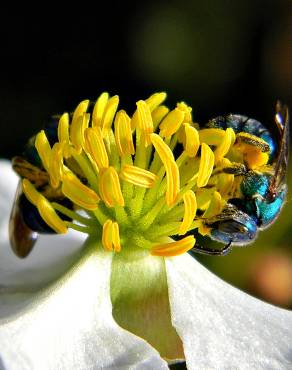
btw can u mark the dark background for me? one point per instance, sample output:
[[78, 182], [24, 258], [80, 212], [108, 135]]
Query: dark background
[[219, 56]]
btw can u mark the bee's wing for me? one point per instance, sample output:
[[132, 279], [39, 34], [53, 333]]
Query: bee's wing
[[27, 170], [282, 122], [22, 238]]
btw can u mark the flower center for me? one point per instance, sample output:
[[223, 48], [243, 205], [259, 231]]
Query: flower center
[[137, 180]]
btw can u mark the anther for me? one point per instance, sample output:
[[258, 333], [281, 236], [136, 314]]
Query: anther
[[96, 147], [44, 207], [206, 165], [110, 188], [109, 113], [192, 141], [172, 122], [138, 176], [44, 149], [99, 108], [174, 248], [145, 122], [79, 193], [190, 204]]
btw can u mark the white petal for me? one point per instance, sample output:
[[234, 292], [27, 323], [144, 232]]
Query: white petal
[[8, 184], [70, 326], [222, 327]]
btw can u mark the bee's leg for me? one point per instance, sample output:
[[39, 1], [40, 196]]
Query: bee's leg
[[237, 169], [212, 251]]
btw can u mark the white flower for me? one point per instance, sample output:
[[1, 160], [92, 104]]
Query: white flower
[[57, 316]]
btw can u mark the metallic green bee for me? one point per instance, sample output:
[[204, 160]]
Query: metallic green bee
[[263, 194]]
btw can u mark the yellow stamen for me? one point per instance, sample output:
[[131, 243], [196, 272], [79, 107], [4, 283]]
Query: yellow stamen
[[224, 147], [158, 114], [206, 165], [110, 188], [215, 206], [211, 136], [79, 193], [107, 235], [175, 248], [56, 165], [145, 122], [116, 237], [30, 192], [190, 203], [44, 207], [192, 142], [63, 128], [109, 113], [187, 110], [172, 171], [172, 122], [123, 134], [204, 197], [96, 147], [153, 103], [44, 149], [111, 236], [80, 110], [99, 108], [77, 129], [138, 176], [155, 100], [63, 134], [172, 183]]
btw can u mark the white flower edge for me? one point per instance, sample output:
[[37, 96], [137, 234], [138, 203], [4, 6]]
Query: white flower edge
[[220, 326]]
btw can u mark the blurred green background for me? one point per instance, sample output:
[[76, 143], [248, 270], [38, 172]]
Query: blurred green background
[[218, 56]]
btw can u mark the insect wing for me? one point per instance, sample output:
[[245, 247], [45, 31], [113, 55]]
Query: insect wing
[[22, 238], [282, 122]]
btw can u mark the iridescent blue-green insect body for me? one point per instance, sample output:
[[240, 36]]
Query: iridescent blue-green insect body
[[263, 193]]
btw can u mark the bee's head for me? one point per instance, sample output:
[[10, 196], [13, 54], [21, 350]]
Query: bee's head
[[233, 225]]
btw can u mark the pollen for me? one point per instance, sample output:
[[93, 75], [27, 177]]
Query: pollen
[[141, 178]]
